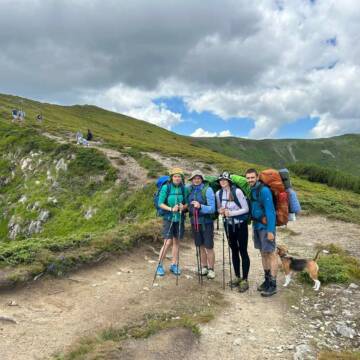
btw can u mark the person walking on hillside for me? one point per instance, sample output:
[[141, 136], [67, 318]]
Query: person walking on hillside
[[89, 135], [233, 206], [201, 204], [264, 225], [172, 199]]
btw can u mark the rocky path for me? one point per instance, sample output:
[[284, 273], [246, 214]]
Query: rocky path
[[51, 314]]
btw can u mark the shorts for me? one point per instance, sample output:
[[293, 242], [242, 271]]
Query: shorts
[[171, 229], [262, 243], [205, 235]]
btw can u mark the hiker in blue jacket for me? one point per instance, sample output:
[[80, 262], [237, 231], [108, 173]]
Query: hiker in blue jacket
[[264, 225], [201, 204]]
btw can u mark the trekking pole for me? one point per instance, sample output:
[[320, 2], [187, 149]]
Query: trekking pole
[[201, 275], [161, 255], [227, 236], [197, 261], [223, 251], [197, 229], [160, 259], [178, 253]]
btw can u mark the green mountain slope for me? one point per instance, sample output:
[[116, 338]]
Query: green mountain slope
[[340, 152], [62, 204]]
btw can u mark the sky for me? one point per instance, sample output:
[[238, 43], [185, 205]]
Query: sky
[[255, 69]]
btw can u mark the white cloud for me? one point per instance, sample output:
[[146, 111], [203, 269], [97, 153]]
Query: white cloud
[[269, 60], [156, 114], [200, 132], [136, 103], [312, 77], [225, 133]]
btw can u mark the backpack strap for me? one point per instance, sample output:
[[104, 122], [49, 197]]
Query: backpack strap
[[168, 189], [258, 191], [233, 193], [221, 193], [203, 193], [183, 194]]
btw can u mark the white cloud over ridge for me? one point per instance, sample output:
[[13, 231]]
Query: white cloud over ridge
[[200, 132], [272, 61]]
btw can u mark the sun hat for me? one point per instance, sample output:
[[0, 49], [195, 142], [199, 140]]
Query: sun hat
[[225, 175], [196, 173]]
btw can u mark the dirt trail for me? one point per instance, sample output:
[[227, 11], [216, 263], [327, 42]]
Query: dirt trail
[[53, 313], [128, 168]]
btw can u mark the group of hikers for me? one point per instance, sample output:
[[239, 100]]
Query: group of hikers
[[235, 209], [19, 116]]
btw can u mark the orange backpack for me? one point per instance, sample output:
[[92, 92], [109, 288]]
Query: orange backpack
[[272, 179]]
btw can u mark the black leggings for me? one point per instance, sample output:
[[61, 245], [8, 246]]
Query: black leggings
[[238, 241]]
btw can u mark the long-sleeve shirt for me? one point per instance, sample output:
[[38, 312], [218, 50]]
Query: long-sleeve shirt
[[263, 206], [234, 209], [207, 207]]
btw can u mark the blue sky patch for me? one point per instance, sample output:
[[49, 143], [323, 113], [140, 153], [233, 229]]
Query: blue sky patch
[[298, 129], [206, 120]]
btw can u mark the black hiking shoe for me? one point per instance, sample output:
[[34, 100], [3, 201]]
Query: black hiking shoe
[[263, 286], [270, 290], [266, 283]]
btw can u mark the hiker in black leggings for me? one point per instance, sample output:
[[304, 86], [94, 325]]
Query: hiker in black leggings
[[238, 240], [234, 208]]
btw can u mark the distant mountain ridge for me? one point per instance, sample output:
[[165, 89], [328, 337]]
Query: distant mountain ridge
[[339, 152]]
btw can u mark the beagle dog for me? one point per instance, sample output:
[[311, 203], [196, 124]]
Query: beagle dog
[[291, 264]]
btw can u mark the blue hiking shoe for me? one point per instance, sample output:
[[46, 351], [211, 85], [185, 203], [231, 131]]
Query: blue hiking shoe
[[175, 269], [160, 270]]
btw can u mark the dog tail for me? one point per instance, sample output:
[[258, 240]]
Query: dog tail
[[318, 253]]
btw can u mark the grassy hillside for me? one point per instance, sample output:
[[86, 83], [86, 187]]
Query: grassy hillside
[[339, 152], [61, 204], [115, 130], [57, 199]]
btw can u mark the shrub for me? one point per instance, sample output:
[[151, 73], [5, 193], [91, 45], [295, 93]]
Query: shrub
[[334, 178]]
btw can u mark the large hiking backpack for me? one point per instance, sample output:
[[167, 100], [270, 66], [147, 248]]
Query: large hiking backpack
[[213, 182], [162, 180], [273, 180], [241, 182], [294, 204], [159, 183]]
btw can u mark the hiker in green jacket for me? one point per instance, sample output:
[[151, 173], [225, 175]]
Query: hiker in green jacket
[[172, 199]]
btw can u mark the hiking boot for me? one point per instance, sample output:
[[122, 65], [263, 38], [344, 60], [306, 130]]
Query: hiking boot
[[266, 283], [160, 270], [234, 283], [270, 290], [243, 286], [211, 274], [263, 286], [175, 269], [203, 271]]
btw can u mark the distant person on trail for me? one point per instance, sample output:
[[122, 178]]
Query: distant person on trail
[[172, 199], [80, 140], [233, 206], [14, 114], [201, 204], [18, 115], [89, 135], [264, 225]]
